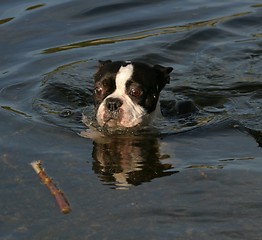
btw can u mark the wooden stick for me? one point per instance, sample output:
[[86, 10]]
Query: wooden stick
[[50, 184]]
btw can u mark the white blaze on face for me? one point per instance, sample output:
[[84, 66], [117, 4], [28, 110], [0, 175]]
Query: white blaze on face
[[123, 75], [132, 114]]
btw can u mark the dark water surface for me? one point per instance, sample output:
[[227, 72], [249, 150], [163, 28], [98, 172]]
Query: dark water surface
[[198, 177]]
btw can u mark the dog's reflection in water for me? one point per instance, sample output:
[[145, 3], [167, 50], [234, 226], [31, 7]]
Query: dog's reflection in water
[[125, 161]]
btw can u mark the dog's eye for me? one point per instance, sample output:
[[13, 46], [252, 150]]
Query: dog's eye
[[98, 90], [135, 92]]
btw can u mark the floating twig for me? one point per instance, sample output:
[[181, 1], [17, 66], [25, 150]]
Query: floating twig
[[50, 184]]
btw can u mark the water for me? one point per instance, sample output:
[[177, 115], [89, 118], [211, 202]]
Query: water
[[195, 177]]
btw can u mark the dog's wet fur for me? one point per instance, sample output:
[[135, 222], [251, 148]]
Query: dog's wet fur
[[126, 94]]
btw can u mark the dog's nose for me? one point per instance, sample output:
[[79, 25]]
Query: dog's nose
[[113, 104]]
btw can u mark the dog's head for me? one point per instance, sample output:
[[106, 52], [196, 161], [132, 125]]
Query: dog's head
[[126, 93]]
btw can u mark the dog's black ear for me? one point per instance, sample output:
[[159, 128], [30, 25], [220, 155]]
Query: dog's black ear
[[163, 73], [164, 70], [103, 63], [100, 65]]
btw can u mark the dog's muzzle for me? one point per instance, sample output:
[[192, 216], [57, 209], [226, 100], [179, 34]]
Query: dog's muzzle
[[113, 104], [113, 110]]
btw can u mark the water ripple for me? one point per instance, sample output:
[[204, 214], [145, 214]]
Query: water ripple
[[144, 34]]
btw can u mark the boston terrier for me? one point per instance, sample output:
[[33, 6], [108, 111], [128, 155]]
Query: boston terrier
[[126, 93]]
